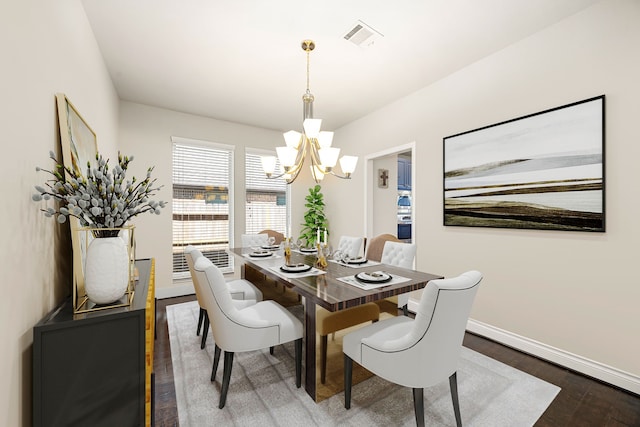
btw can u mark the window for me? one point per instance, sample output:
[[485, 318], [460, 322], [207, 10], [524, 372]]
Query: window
[[267, 204], [201, 202]]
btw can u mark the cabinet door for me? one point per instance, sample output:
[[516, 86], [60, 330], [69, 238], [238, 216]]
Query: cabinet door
[[407, 175], [402, 174], [90, 373]]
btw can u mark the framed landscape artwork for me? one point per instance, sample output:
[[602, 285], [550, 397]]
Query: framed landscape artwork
[[79, 145], [540, 171]]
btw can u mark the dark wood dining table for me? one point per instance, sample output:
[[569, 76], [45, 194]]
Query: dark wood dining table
[[327, 291]]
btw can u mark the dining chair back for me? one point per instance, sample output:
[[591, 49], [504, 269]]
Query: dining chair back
[[419, 352], [264, 324], [243, 293], [279, 237], [376, 245], [350, 246], [251, 240], [399, 254]]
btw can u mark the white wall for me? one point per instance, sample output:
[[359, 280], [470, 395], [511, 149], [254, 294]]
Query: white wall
[[573, 291], [47, 47]]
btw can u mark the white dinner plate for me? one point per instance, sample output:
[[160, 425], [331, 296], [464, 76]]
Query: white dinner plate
[[260, 254], [295, 268], [373, 277]]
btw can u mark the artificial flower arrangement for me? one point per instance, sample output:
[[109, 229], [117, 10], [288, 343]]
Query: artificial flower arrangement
[[101, 198]]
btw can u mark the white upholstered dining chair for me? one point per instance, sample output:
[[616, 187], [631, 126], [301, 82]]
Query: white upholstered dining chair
[[264, 324], [401, 255], [419, 352], [350, 246], [243, 292], [254, 240]]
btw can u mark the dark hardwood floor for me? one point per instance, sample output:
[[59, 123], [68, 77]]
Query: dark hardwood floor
[[582, 401]]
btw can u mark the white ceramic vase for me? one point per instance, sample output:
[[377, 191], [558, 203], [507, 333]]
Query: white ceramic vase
[[106, 270]]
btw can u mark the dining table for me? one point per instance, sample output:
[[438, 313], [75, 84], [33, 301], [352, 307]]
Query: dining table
[[333, 288]]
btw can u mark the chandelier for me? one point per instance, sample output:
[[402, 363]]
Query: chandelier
[[311, 142]]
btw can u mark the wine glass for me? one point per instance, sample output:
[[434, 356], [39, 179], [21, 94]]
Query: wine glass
[[271, 241]]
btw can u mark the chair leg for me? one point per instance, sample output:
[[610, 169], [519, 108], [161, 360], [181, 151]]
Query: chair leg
[[216, 360], [323, 358], [453, 385], [226, 377], [418, 405], [405, 309], [271, 350], [200, 319], [348, 370], [298, 344], [205, 330]]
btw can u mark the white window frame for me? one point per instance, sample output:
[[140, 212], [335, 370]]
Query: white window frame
[[213, 146], [262, 152]]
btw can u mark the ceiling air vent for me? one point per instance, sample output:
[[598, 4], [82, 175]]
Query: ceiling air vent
[[362, 35]]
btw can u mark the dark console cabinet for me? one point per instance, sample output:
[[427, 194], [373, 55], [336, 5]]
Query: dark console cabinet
[[94, 369]]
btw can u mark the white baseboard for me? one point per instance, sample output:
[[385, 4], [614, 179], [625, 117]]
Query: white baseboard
[[572, 361]]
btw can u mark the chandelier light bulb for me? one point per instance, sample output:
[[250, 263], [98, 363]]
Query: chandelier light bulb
[[329, 157], [348, 164], [325, 139], [287, 156], [312, 127], [292, 139], [268, 164]]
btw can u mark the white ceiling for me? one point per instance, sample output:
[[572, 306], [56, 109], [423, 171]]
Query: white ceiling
[[241, 60]]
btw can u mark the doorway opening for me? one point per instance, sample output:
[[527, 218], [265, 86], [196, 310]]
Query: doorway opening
[[391, 206]]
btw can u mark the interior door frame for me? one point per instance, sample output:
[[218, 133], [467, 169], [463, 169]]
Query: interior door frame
[[369, 175]]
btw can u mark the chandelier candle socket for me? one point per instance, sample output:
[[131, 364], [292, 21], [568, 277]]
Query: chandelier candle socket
[[312, 142]]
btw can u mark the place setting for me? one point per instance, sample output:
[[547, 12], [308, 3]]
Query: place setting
[[271, 244], [294, 270], [358, 262], [373, 279]]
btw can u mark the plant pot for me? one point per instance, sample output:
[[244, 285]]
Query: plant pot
[[106, 270]]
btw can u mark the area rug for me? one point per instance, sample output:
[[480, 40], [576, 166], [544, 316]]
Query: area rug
[[263, 392]]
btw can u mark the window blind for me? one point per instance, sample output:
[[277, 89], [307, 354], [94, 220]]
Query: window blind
[[201, 199], [267, 199]]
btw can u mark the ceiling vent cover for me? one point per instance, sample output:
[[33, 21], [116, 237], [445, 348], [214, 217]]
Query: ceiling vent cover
[[362, 35]]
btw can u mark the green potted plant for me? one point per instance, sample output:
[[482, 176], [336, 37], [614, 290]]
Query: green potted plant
[[314, 218]]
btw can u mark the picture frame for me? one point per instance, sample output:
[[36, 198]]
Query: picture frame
[[79, 146], [383, 178], [543, 171]]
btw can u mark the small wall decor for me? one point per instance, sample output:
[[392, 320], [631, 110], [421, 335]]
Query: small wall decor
[[540, 171], [383, 178]]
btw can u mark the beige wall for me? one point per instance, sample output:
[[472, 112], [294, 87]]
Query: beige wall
[[577, 292], [47, 47]]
